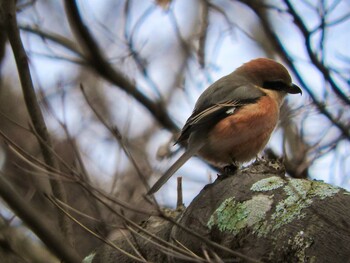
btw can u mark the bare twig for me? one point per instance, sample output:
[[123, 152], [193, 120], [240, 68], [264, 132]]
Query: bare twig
[[179, 203], [37, 164], [106, 241], [129, 37], [208, 241], [203, 33], [31, 217], [139, 228], [97, 192], [168, 250], [134, 247], [275, 40], [59, 39], [117, 135], [312, 55]]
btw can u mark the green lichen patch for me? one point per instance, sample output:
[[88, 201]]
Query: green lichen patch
[[288, 210], [268, 184], [323, 190], [299, 243], [234, 216], [300, 195], [89, 258]]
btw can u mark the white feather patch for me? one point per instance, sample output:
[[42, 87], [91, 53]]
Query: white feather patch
[[231, 110]]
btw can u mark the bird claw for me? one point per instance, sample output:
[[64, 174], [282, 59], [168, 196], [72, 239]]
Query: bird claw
[[227, 171]]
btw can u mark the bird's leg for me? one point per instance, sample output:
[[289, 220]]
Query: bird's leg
[[259, 159], [229, 170]]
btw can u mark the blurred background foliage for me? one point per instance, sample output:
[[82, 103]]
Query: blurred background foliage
[[116, 80]]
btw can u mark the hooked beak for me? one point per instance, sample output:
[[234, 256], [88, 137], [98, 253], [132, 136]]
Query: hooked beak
[[294, 89]]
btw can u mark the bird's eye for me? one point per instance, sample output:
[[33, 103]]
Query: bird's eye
[[275, 85]]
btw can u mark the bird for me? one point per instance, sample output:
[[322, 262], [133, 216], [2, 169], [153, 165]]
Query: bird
[[234, 117]]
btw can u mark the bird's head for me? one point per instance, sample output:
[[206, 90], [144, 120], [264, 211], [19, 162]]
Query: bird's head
[[270, 75]]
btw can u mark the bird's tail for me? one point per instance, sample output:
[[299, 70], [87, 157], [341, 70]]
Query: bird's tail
[[176, 166]]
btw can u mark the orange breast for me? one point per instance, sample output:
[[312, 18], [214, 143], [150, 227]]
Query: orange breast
[[242, 135]]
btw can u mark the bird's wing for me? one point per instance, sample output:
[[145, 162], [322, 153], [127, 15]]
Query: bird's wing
[[216, 105], [217, 102]]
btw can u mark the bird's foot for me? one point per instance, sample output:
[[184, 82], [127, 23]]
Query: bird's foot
[[227, 171]]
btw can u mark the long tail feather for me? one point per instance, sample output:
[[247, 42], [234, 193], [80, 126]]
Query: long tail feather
[[176, 166]]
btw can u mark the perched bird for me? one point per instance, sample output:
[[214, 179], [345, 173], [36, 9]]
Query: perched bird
[[234, 117]]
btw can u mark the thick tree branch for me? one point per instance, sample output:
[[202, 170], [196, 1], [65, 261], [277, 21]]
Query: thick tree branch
[[8, 14], [100, 64], [256, 215]]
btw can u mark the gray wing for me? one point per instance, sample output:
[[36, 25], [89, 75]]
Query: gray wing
[[218, 101]]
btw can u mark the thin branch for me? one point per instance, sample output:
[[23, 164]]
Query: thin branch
[[59, 39], [141, 229], [191, 232], [169, 251], [33, 219], [275, 40], [185, 46], [117, 135], [129, 37], [106, 241], [95, 191], [339, 20], [203, 33], [179, 202], [37, 164], [133, 247], [313, 57], [208, 241]]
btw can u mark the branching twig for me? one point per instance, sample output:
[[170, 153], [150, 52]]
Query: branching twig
[[108, 242], [164, 248], [129, 38], [275, 40], [312, 55], [117, 135], [76, 178], [208, 241], [59, 39], [31, 217]]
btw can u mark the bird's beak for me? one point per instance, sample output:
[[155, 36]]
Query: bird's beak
[[294, 89]]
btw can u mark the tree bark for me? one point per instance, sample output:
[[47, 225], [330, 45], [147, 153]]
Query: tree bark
[[256, 215]]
